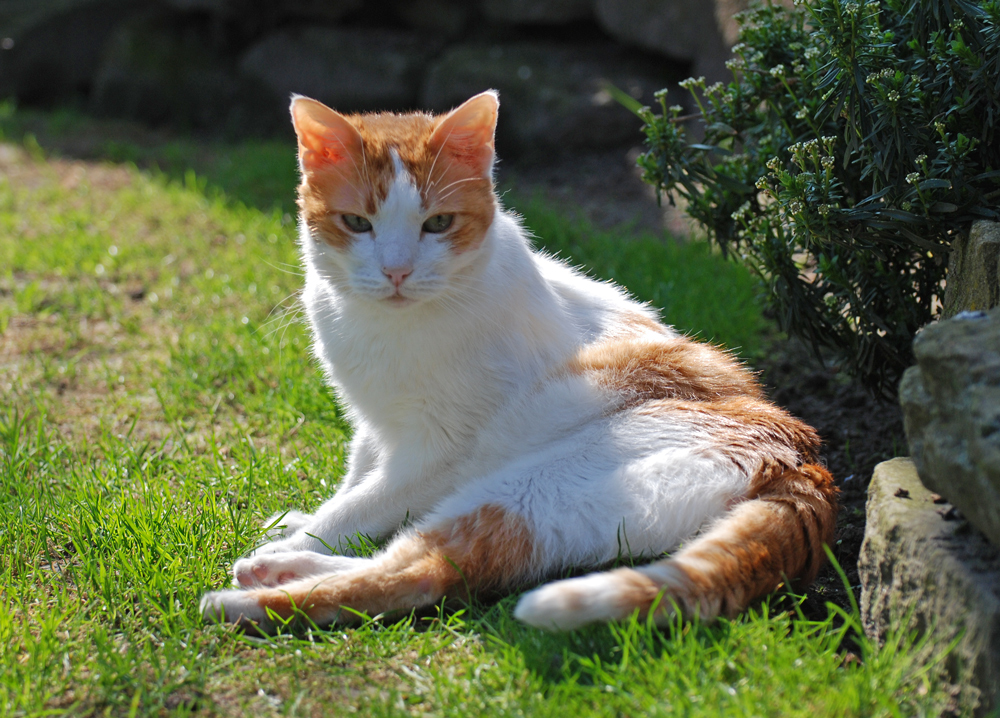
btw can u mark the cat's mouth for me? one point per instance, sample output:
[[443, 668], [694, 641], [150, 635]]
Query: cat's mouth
[[399, 300]]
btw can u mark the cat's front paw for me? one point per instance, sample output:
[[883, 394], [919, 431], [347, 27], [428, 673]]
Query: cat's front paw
[[274, 569]]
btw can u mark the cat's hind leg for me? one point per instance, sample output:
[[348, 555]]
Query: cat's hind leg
[[487, 549], [776, 535]]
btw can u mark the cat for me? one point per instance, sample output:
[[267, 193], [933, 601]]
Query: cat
[[513, 418]]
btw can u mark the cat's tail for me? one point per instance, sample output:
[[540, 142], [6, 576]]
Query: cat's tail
[[777, 534]]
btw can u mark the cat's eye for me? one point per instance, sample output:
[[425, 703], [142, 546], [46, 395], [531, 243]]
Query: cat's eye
[[356, 223], [438, 223]]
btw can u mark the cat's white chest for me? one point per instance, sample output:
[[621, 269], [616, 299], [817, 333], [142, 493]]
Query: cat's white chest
[[417, 386]]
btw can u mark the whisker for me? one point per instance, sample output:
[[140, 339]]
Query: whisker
[[291, 316], [427, 183], [459, 181], [298, 273], [444, 197]]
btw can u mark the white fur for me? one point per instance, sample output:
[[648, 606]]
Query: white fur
[[565, 605], [233, 607], [458, 401]]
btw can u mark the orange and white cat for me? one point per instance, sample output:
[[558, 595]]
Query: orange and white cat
[[513, 418]]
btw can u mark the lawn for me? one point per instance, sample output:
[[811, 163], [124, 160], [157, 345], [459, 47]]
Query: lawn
[[158, 399]]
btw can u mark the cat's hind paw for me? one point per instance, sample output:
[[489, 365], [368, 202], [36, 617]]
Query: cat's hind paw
[[575, 602], [275, 569]]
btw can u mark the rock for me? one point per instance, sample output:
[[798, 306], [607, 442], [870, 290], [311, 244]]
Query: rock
[[211, 6], [444, 18], [941, 575], [974, 270], [349, 69], [702, 33], [552, 97], [241, 22], [158, 68], [52, 48], [324, 10], [682, 29], [538, 12], [269, 13], [951, 410]]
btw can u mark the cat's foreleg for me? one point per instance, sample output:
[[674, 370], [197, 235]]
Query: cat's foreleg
[[487, 549], [777, 534], [361, 462], [370, 510], [285, 523]]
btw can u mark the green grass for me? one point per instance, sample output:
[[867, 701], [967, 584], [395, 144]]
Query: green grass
[[157, 400]]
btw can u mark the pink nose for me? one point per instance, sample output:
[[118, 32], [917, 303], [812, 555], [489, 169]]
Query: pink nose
[[397, 274]]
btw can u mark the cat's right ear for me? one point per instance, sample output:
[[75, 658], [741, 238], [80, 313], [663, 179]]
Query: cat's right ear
[[326, 137]]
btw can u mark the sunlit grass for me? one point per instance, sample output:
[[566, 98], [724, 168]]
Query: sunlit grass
[[157, 400]]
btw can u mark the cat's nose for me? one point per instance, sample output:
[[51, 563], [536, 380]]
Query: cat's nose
[[397, 274]]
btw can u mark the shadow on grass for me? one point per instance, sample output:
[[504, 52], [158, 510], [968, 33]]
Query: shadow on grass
[[259, 173]]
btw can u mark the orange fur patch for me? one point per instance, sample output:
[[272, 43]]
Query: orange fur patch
[[648, 368], [359, 184], [660, 375], [488, 550]]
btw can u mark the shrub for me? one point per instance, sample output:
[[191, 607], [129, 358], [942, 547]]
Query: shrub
[[856, 139]]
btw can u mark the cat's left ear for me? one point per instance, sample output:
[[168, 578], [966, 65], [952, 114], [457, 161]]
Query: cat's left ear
[[466, 133]]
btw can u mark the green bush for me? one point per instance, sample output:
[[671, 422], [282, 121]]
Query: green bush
[[856, 139]]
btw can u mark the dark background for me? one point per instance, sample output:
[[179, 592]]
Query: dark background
[[227, 67]]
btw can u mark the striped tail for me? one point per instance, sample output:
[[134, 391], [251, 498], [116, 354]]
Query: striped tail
[[777, 534]]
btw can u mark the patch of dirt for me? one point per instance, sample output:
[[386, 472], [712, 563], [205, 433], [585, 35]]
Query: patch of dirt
[[17, 168], [605, 187]]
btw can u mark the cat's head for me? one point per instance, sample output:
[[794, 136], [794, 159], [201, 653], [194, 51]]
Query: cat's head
[[395, 205]]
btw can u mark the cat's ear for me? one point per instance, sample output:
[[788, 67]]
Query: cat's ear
[[466, 133], [326, 137]]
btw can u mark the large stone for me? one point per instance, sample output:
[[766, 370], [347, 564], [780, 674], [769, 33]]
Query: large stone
[[974, 270], [699, 31], [349, 69], [951, 410], [923, 569], [323, 10], [682, 29], [553, 97], [159, 68], [51, 48], [541, 12], [436, 18]]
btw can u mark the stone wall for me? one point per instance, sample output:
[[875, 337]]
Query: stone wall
[[923, 569], [974, 270], [229, 65], [930, 562], [951, 409]]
